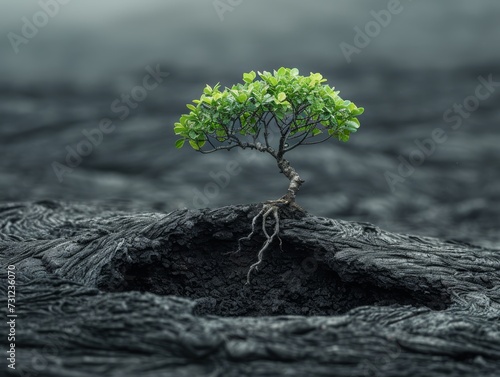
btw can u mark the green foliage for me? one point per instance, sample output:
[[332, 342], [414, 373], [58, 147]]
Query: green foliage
[[299, 107]]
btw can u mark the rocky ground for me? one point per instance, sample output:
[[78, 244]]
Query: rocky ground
[[106, 292]]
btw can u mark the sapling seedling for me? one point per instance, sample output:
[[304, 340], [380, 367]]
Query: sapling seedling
[[299, 110]]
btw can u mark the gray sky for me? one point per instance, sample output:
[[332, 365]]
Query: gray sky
[[98, 38]]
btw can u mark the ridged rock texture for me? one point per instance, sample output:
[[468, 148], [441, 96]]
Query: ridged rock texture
[[102, 292]]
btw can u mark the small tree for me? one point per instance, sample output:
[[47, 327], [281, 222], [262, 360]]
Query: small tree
[[299, 110]]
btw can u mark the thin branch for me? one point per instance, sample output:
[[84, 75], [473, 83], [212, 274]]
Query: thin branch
[[266, 131], [221, 148], [318, 142], [207, 136], [300, 141]]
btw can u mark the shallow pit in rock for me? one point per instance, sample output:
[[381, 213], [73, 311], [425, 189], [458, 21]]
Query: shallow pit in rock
[[294, 281]]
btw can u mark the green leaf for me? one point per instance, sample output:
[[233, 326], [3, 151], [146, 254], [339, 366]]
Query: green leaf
[[268, 98], [179, 129], [351, 107], [249, 77], [180, 143], [183, 119], [351, 126], [191, 107], [344, 138], [241, 98], [358, 111], [281, 97], [208, 90], [194, 144]]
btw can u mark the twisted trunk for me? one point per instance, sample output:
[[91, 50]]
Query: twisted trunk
[[295, 180]]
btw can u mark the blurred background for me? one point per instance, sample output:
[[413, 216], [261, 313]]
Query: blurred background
[[89, 92]]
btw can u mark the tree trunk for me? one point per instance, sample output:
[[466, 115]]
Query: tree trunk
[[295, 180]]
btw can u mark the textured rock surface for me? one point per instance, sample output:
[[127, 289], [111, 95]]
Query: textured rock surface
[[104, 292]]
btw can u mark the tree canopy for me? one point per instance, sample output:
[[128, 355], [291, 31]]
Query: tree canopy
[[303, 110]]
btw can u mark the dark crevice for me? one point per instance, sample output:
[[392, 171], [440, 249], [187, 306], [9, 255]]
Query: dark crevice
[[292, 282]]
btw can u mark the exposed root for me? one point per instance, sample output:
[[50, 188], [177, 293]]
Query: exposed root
[[254, 223], [247, 238], [270, 208]]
